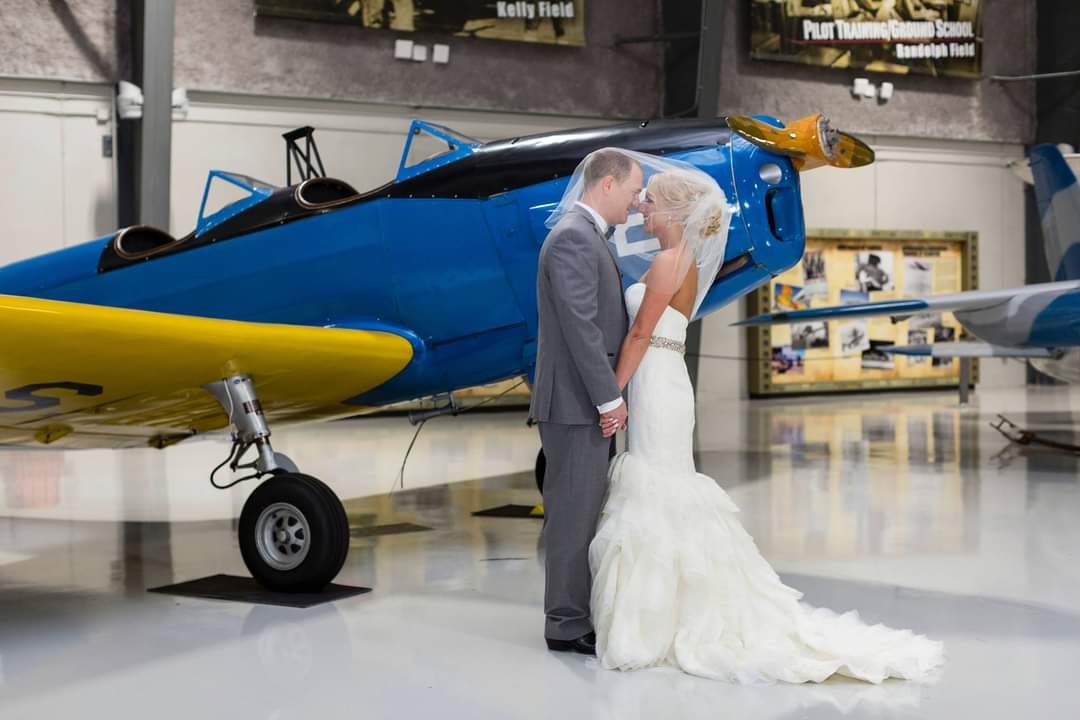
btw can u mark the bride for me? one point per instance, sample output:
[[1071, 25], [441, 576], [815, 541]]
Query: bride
[[677, 581]]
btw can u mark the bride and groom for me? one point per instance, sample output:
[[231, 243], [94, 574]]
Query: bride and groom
[[646, 562]]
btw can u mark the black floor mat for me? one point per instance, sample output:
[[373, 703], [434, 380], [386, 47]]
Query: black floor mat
[[245, 589], [535, 512], [393, 529]]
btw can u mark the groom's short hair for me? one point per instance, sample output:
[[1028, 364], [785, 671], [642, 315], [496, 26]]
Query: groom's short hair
[[606, 161]]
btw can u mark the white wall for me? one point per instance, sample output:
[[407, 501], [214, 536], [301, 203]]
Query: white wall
[[56, 187], [914, 185]]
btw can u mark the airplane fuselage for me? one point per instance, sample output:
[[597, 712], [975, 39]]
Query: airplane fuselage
[[455, 275], [1029, 317]]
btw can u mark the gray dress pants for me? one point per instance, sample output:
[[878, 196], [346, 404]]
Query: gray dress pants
[[575, 484]]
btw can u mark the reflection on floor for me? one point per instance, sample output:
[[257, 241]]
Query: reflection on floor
[[902, 506]]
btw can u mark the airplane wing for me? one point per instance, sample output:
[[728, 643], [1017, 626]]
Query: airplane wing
[[968, 349], [970, 301], [92, 376]]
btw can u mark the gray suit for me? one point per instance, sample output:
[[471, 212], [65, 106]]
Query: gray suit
[[582, 326]]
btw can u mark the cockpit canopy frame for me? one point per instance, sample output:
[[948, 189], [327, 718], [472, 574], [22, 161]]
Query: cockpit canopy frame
[[429, 146], [256, 189]]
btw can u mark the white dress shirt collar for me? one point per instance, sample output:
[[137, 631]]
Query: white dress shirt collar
[[601, 223]]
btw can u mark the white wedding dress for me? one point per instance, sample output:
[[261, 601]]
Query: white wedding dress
[[678, 582]]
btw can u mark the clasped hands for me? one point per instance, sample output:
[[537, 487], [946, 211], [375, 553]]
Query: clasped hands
[[612, 422]]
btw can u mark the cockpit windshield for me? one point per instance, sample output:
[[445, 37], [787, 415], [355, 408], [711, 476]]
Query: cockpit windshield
[[429, 144], [226, 194], [426, 145]]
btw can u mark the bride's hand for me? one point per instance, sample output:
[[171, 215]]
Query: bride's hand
[[612, 422]]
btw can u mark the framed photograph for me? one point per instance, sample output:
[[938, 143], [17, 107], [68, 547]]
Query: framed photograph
[[942, 38], [788, 297], [809, 336], [917, 337], [874, 359], [854, 337], [787, 361], [874, 271], [559, 22], [918, 277]]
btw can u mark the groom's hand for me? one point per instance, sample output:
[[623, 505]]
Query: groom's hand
[[612, 422]]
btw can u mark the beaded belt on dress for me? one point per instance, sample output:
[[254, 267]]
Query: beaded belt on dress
[[667, 344]]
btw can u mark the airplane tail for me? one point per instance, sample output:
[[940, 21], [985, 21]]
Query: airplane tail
[[1058, 195]]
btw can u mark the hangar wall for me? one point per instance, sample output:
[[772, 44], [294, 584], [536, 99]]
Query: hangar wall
[[923, 106], [60, 40], [56, 188], [221, 46], [1059, 99]]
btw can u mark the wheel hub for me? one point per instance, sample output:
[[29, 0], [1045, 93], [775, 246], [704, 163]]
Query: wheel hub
[[282, 536]]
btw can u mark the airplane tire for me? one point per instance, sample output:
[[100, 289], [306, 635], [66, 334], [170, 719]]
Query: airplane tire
[[294, 534], [540, 471], [342, 519]]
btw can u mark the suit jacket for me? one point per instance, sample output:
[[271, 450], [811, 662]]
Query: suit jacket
[[583, 323]]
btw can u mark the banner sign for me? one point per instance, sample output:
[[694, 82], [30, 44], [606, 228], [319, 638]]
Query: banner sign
[[557, 22], [935, 37]]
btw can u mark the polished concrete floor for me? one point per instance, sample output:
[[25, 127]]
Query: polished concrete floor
[[903, 506]]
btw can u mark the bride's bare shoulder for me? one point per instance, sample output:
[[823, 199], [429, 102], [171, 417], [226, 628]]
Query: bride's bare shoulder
[[664, 260]]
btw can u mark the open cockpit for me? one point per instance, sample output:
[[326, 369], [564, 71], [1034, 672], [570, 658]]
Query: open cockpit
[[234, 204]]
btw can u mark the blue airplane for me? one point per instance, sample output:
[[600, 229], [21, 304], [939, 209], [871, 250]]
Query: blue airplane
[[1039, 323], [314, 301]]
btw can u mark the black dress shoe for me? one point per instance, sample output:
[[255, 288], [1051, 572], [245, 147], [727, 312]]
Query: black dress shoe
[[586, 645]]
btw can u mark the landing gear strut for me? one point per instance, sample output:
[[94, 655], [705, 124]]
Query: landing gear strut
[[294, 534]]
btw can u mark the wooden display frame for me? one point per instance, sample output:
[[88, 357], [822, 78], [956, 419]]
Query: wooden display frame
[[766, 381]]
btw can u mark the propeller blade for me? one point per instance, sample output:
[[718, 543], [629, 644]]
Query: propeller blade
[[810, 141]]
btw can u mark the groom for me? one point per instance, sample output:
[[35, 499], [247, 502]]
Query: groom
[[575, 398]]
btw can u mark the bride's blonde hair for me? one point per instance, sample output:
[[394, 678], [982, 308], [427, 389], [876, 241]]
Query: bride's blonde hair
[[681, 192]]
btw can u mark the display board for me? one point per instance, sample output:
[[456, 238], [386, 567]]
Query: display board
[[555, 22], [935, 37], [841, 267]]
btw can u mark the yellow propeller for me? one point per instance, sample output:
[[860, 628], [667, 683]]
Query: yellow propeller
[[810, 141]]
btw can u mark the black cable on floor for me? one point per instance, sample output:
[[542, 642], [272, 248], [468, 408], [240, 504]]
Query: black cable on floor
[[401, 473]]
